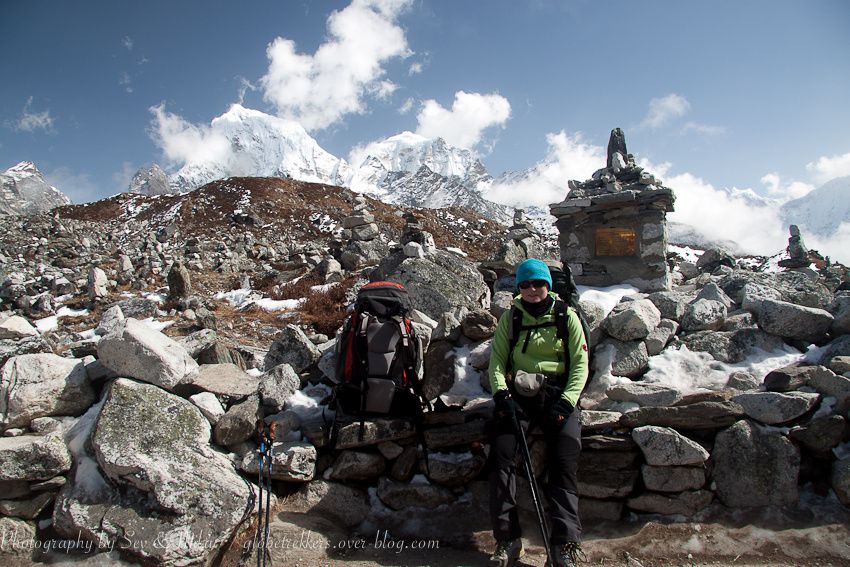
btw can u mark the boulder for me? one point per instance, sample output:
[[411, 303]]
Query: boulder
[[830, 384], [791, 321], [775, 407], [97, 283], [179, 501], [663, 446], [134, 350], [29, 508], [374, 431], [439, 369], [821, 434], [686, 503], [631, 320], [17, 548], [672, 479], [742, 381], [33, 457], [644, 394], [789, 378], [357, 466], [840, 309], [238, 423], [755, 466], [439, 283], [607, 483], [712, 258], [16, 347], [16, 327], [671, 304], [209, 405], [278, 385], [39, 385], [350, 505], [224, 380], [630, 358], [292, 347], [179, 281], [704, 315], [454, 469], [291, 462], [401, 495], [593, 314], [712, 292], [596, 420], [840, 480], [111, 319], [660, 336], [700, 415], [478, 325]]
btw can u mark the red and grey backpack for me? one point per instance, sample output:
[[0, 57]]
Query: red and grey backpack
[[379, 356]]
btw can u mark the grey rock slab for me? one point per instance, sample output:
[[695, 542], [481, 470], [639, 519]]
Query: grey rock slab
[[374, 432], [27, 509], [775, 407], [401, 495], [790, 320], [454, 469], [644, 394], [663, 446], [33, 457], [456, 435], [672, 479], [632, 320], [700, 415], [134, 350], [840, 480], [821, 434], [353, 465], [39, 385], [224, 380], [277, 386], [592, 420], [16, 327], [686, 503], [608, 484], [347, 503], [209, 405], [704, 315], [238, 423], [630, 358], [292, 347]]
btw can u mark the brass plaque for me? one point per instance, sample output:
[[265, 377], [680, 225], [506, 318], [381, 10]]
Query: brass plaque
[[615, 242]]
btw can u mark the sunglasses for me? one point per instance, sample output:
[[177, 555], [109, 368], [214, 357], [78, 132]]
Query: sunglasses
[[533, 283]]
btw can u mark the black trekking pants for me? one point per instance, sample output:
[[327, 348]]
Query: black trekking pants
[[562, 452]]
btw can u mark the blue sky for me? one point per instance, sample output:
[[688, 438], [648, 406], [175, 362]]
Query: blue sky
[[747, 94]]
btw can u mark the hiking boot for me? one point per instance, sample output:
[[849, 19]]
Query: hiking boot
[[568, 555], [507, 552]]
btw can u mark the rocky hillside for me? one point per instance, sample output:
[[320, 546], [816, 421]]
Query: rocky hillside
[[141, 338], [23, 191]]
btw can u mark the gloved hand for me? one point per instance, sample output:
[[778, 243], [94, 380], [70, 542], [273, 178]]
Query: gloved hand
[[506, 406], [558, 413]]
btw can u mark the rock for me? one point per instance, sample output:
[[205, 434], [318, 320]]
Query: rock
[[631, 320], [821, 434], [704, 315], [840, 309], [219, 353], [138, 307], [456, 435], [111, 319], [840, 480], [398, 495], [686, 503], [479, 325], [291, 462], [755, 466], [294, 348], [16, 327], [644, 394], [607, 483], [436, 284], [788, 378], [17, 548], [594, 314], [830, 384], [224, 380], [791, 321], [209, 405], [454, 469], [701, 415], [671, 304], [375, 431], [33, 457], [742, 381], [630, 359], [775, 407], [148, 440], [714, 257], [390, 450], [357, 465], [350, 505], [732, 347], [403, 467], [27, 509], [593, 509], [278, 385], [39, 385], [672, 479], [597, 420], [660, 336], [238, 423], [134, 350], [837, 347], [663, 446], [196, 342], [439, 369], [840, 364], [31, 345], [96, 284], [14, 488], [179, 281], [712, 292]]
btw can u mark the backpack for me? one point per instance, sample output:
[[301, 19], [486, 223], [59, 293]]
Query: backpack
[[379, 356]]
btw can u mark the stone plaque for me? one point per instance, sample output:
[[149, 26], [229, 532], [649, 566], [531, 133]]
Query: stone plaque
[[615, 242]]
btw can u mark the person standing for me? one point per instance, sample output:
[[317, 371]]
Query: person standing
[[561, 364]]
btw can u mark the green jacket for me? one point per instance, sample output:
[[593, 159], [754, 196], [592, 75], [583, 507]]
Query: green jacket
[[545, 352]]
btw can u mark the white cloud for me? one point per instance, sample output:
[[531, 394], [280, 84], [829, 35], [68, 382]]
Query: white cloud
[[318, 90], [706, 129], [32, 121], [122, 178], [127, 42], [463, 125], [836, 246], [182, 141], [785, 192], [826, 168], [244, 86], [124, 81], [567, 157], [663, 110], [407, 106], [723, 215], [414, 69]]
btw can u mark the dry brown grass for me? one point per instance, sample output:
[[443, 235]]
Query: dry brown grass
[[325, 310]]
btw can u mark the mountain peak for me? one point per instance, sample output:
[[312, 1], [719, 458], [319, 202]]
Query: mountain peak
[[24, 191]]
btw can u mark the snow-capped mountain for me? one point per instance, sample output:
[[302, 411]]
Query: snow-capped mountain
[[151, 181], [251, 143], [823, 210], [23, 190]]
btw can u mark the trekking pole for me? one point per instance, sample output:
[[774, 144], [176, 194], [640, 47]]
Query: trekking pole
[[261, 434], [272, 433], [535, 493]]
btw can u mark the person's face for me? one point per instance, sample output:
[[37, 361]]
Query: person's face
[[534, 291]]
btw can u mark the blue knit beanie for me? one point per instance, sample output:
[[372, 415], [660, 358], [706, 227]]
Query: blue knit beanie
[[533, 269]]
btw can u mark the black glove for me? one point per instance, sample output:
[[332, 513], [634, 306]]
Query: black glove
[[506, 406], [558, 413]]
